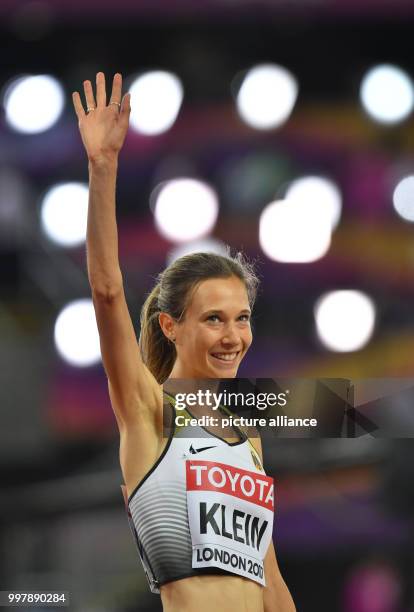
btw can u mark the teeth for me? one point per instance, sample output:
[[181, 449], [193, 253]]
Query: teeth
[[225, 356]]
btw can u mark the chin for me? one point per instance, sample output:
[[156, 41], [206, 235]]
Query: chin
[[226, 373], [217, 369]]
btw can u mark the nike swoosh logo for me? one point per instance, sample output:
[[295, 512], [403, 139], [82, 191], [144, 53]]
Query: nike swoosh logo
[[194, 451]]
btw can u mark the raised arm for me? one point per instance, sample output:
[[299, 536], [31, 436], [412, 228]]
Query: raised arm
[[103, 129]]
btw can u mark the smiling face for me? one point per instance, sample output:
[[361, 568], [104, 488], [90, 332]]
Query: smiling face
[[215, 334]]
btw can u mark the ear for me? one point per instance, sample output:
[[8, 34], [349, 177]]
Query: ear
[[167, 324]]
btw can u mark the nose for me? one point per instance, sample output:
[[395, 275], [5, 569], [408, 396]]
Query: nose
[[230, 335]]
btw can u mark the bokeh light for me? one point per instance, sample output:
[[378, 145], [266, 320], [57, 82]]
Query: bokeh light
[[33, 104], [156, 99], [311, 190], [64, 213], [403, 198], [185, 209], [344, 320], [387, 94], [76, 334], [267, 96], [293, 232]]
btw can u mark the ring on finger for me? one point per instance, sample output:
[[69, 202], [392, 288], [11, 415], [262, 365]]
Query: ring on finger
[[90, 108], [116, 103]]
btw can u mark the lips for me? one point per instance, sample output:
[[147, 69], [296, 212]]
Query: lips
[[225, 357]]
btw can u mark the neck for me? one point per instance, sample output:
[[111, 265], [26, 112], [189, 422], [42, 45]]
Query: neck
[[179, 371], [184, 380], [190, 385]]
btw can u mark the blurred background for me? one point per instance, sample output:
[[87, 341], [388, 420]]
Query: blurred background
[[280, 128]]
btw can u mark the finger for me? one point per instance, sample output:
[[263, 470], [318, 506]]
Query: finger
[[126, 106], [100, 89], [116, 88], [89, 97], [77, 103]]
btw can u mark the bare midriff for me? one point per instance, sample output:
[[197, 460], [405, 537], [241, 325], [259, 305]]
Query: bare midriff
[[212, 594]]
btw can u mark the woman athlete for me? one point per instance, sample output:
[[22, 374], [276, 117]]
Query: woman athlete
[[194, 325]]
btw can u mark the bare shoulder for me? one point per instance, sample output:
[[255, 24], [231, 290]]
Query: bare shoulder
[[144, 403], [256, 442], [142, 441], [254, 438]]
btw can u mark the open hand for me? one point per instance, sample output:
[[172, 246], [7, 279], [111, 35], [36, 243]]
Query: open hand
[[103, 127]]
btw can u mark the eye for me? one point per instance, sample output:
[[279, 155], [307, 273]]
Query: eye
[[245, 318], [214, 318]]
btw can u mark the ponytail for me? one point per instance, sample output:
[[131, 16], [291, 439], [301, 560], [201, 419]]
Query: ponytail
[[158, 353]]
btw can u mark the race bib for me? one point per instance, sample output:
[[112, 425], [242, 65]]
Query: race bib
[[230, 512]]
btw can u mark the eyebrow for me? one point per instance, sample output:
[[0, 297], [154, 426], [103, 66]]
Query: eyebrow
[[217, 311]]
